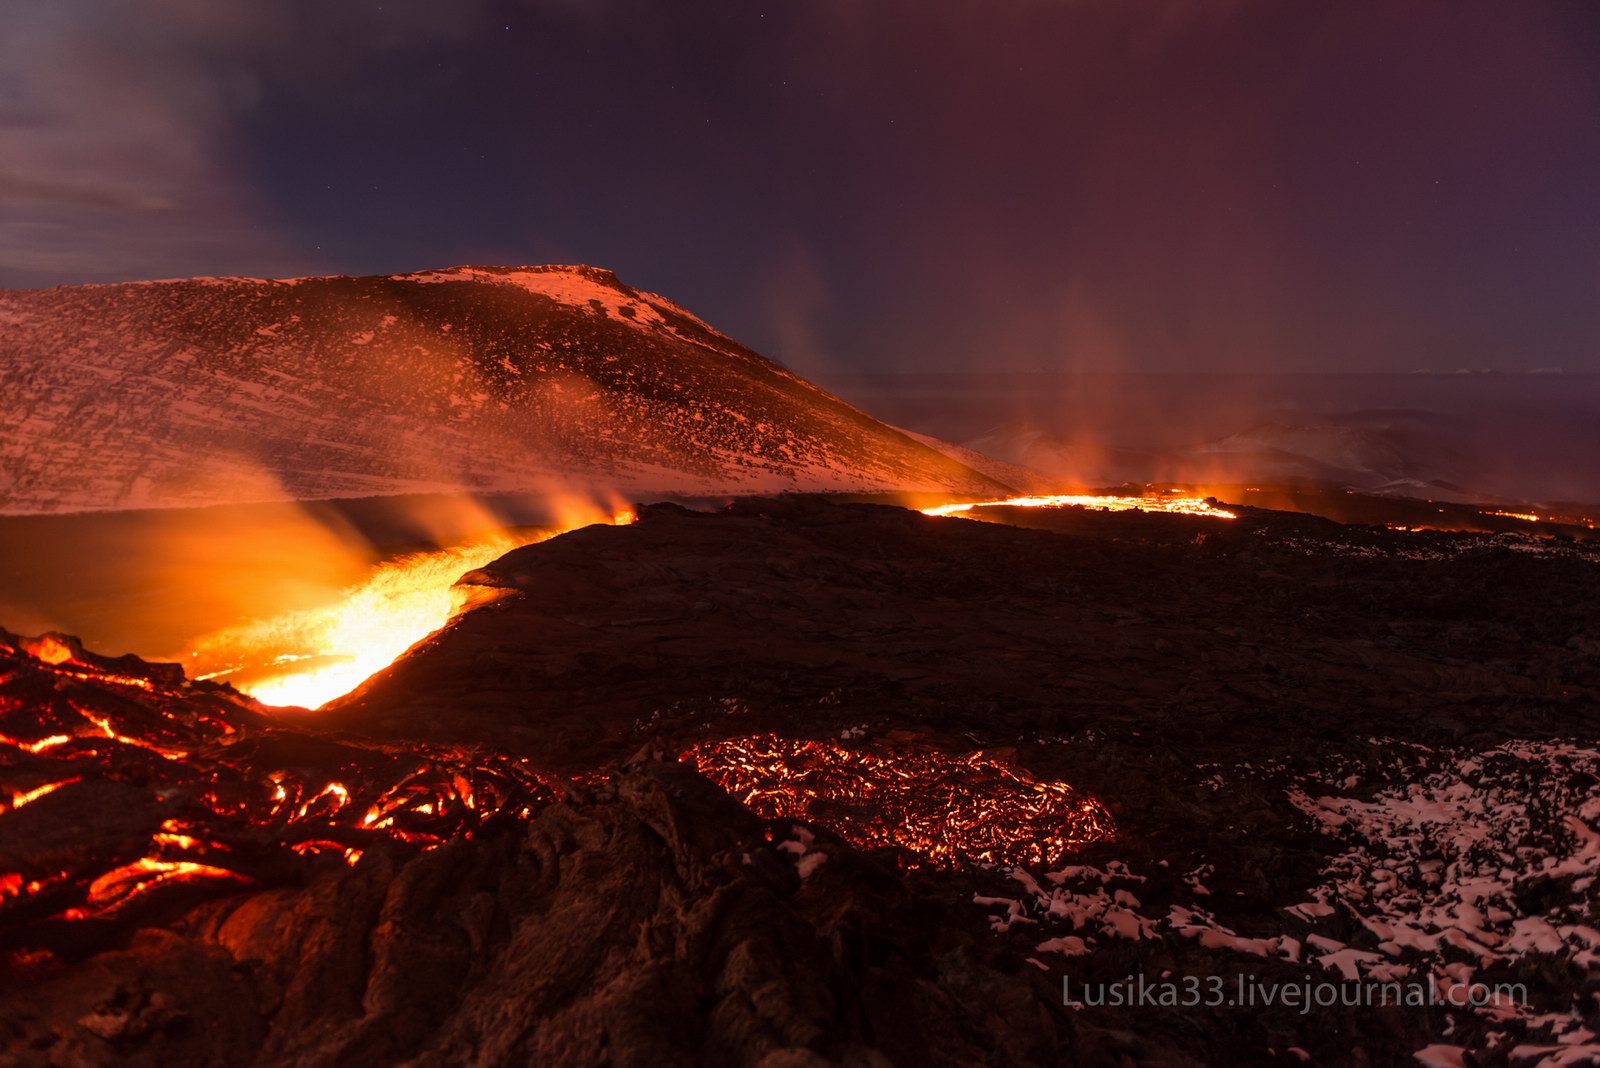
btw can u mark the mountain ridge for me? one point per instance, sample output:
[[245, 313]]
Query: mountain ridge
[[185, 392]]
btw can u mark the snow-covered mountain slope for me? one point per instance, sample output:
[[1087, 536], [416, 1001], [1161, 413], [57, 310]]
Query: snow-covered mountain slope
[[205, 391]]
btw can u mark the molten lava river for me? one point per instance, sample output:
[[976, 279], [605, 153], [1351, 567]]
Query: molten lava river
[[307, 658], [1104, 502]]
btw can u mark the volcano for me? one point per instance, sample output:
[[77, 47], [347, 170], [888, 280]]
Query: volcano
[[755, 779], [221, 390]]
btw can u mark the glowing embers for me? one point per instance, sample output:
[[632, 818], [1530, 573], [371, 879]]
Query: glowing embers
[[120, 885], [52, 650], [64, 654], [27, 797], [1153, 503], [942, 809]]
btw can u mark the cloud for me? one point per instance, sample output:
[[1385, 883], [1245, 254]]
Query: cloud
[[116, 118]]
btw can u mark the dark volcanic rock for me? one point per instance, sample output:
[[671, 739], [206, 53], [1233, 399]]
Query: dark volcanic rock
[[1176, 637], [645, 921], [1330, 752], [1196, 675]]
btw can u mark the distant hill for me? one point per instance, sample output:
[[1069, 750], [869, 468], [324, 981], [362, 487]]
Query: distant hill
[[1404, 453], [1533, 438], [219, 390]]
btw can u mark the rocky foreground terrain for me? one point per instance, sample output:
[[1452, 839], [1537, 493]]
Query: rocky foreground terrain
[[1289, 753], [209, 391]]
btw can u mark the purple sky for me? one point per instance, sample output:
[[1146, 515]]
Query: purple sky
[[857, 184]]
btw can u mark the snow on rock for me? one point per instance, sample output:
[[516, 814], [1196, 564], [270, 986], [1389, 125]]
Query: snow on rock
[[584, 288], [1473, 873], [1481, 862], [1453, 860], [486, 379], [807, 859]]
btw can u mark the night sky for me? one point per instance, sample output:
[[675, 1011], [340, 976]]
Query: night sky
[[856, 184]]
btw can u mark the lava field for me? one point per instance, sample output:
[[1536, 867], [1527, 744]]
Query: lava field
[[800, 781]]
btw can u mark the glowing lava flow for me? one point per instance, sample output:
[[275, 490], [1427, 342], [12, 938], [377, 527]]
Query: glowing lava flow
[[312, 656], [206, 789], [943, 809], [1109, 503], [309, 657]]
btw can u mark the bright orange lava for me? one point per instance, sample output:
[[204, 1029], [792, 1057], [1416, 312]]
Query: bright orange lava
[[942, 809], [307, 658], [1106, 502]]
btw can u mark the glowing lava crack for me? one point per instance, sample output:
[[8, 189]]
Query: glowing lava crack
[[941, 809], [1109, 503]]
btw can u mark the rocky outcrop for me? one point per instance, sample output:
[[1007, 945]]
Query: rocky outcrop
[[646, 920]]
